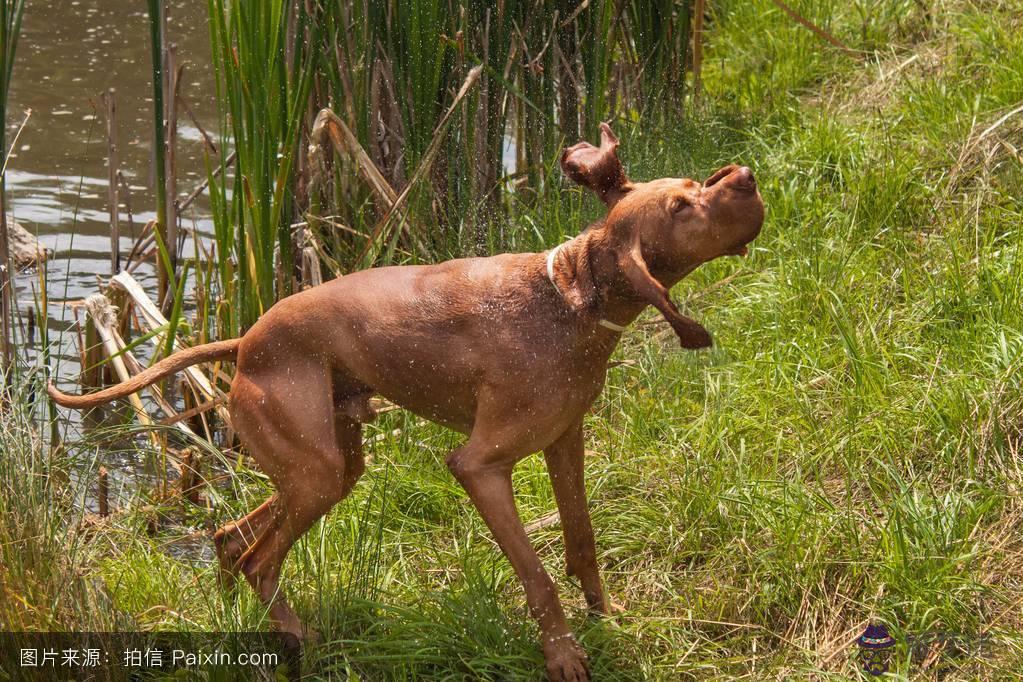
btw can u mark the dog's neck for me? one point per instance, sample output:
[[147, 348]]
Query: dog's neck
[[578, 299], [586, 274]]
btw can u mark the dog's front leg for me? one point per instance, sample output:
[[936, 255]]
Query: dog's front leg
[[484, 470], [565, 466]]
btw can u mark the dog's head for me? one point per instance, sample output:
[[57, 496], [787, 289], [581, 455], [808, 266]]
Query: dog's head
[[661, 230]]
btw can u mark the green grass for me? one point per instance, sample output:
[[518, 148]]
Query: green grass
[[43, 551], [849, 450]]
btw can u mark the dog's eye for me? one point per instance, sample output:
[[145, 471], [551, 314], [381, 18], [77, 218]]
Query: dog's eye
[[679, 204]]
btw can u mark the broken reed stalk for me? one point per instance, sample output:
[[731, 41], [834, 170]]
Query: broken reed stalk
[[104, 319], [92, 374], [345, 143], [190, 481], [110, 99], [153, 320], [312, 275], [103, 492]]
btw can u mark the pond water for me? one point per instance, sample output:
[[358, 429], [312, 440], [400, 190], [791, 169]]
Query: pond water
[[69, 53]]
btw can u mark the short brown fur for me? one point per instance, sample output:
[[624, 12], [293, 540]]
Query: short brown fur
[[486, 346]]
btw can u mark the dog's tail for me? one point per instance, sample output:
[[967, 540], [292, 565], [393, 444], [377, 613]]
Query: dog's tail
[[169, 365]]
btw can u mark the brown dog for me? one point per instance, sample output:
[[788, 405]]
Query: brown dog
[[510, 350]]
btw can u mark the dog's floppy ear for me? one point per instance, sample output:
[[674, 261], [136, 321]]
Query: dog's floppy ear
[[691, 334], [597, 168], [574, 278]]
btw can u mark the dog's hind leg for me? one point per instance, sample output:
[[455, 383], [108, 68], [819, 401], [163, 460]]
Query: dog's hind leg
[[312, 455], [304, 498], [235, 538]]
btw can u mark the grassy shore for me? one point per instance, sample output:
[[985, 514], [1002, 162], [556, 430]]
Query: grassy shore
[[850, 450]]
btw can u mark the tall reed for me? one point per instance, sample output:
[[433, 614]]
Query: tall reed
[[164, 265], [11, 12], [552, 70], [263, 73], [659, 33]]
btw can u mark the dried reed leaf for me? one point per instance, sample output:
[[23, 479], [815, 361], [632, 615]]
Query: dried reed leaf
[[154, 319], [345, 143]]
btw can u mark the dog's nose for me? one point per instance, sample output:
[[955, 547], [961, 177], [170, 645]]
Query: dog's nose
[[742, 178]]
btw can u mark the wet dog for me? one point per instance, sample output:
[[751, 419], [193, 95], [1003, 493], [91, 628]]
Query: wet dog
[[510, 350]]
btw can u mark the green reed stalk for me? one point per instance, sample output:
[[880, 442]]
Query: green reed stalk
[[416, 58], [11, 12], [600, 29], [263, 100], [658, 31], [163, 264]]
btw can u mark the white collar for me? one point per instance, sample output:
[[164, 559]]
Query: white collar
[[607, 324]]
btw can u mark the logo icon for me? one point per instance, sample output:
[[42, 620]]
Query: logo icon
[[874, 644]]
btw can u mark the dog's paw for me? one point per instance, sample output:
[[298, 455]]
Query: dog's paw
[[605, 607], [311, 636], [285, 621], [566, 660]]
